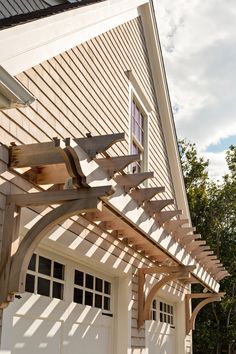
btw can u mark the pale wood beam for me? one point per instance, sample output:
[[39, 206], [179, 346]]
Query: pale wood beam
[[36, 154], [144, 194], [164, 216], [132, 180], [116, 164], [155, 206], [103, 215], [94, 145], [57, 197]]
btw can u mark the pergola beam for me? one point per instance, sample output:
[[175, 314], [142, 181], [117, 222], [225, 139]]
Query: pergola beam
[[57, 197]]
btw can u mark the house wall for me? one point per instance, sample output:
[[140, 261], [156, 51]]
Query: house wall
[[86, 90]]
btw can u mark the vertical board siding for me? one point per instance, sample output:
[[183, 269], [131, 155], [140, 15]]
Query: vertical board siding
[[86, 90]]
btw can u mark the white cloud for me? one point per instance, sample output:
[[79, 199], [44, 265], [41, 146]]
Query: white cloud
[[198, 42], [217, 167]]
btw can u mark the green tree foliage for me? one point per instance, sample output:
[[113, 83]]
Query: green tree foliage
[[213, 212]]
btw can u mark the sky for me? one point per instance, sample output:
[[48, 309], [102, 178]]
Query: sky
[[198, 41]]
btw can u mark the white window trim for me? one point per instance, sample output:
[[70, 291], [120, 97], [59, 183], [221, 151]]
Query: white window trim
[[137, 93]]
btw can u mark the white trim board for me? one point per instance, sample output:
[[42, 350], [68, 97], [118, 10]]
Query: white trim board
[[32, 43]]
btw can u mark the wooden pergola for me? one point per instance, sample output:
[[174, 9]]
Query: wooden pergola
[[116, 200]]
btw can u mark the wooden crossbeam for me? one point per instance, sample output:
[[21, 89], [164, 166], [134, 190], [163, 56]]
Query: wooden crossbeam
[[155, 206], [93, 145], [57, 197], [132, 180], [51, 174], [99, 216], [36, 154], [164, 216], [142, 195], [117, 163]]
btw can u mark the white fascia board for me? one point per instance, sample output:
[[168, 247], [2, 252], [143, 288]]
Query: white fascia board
[[31, 43], [160, 83]]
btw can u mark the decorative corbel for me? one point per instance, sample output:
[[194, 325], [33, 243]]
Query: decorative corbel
[[94, 145], [208, 298], [164, 216], [142, 195], [117, 163], [132, 180], [171, 273]]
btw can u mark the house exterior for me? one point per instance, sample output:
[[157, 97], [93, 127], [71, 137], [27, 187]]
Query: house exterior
[[97, 250]]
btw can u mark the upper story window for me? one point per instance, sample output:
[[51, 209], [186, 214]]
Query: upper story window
[[45, 277], [138, 139], [140, 109]]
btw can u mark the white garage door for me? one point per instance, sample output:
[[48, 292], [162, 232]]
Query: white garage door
[[160, 331], [67, 309]]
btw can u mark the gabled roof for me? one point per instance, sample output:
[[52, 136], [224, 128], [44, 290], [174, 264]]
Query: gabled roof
[[15, 12]]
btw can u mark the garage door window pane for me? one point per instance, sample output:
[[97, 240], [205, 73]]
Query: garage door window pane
[[44, 265], [78, 296], [106, 303], [98, 285], [107, 288], [57, 290], [88, 298], [29, 284], [98, 301], [89, 281], [79, 278], [43, 287], [58, 270], [32, 263]]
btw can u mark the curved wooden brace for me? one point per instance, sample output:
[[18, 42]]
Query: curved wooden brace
[[208, 298], [22, 257], [157, 287], [175, 273]]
